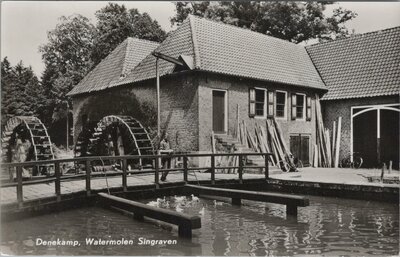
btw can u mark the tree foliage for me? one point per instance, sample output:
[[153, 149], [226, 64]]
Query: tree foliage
[[291, 21], [66, 56], [22, 93], [115, 23]]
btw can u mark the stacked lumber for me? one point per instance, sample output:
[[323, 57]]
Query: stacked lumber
[[326, 149], [268, 139], [224, 161]]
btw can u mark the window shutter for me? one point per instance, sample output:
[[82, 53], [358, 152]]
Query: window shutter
[[308, 108], [293, 103], [271, 104], [252, 102]]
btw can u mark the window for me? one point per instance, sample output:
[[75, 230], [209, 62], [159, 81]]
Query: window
[[260, 102], [280, 104], [300, 106]]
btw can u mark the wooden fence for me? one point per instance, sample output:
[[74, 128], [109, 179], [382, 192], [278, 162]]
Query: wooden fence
[[58, 177]]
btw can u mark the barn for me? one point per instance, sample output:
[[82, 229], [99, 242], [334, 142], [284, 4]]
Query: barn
[[363, 79], [222, 74]]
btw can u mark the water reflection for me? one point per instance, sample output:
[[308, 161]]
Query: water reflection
[[329, 226]]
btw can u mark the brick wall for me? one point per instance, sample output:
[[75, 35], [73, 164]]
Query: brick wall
[[238, 97], [333, 109], [179, 108]]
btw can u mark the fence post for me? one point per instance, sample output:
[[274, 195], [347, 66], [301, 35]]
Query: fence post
[[185, 169], [266, 166], [212, 169], [19, 186], [88, 170], [57, 182], [240, 169], [124, 171], [156, 178]]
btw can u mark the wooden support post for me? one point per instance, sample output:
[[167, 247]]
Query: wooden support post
[[88, 171], [240, 169], [236, 201], [57, 182], [124, 174], [185, 230], [291, 210], [138, 216], [212, 169], [157, 173], [383, 171], [19, 186], [185, 168], [390, 166], [266, 166]]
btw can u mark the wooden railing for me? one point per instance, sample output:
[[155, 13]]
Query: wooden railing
[[58, 177]]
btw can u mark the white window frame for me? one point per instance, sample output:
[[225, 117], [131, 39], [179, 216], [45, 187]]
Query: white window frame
[[304, 107], [286, 105], [226, 108], [265, 103]]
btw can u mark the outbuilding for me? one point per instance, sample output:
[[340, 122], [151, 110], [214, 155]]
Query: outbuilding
[[362, 74]]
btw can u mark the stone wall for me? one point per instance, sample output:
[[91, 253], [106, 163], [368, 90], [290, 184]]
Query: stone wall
[[179, 108]]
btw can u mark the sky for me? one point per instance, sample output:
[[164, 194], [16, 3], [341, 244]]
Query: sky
[[24, 25]]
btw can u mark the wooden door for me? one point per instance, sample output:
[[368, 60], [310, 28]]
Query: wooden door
[[219, 112], [300, 148], [364, 138]]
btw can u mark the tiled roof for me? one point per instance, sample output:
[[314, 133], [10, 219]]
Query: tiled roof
[[226, 49], [115, 66], [179, 42], [364, 65]]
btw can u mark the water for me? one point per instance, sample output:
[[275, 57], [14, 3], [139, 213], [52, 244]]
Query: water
[[328, 226]]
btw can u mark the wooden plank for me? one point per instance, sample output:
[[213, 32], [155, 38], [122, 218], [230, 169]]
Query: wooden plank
[[88, 171], [185, 222], [124, 175], [337, 148], [241, 169], [250, 195], [185, 169], [19, 187], [58, 181], [333, 143], [213, 169]]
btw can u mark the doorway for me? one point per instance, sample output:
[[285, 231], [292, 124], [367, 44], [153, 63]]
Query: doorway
[[300, 148], [375, 134], [219, 111]]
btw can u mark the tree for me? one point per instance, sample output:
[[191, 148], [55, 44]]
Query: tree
[[291, 21], [67, 59], [115, 23], [22, 93]]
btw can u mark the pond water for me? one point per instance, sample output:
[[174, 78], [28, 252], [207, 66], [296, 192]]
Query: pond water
[[328, 226]]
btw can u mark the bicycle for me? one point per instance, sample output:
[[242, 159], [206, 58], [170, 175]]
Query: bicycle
[[355, 164]]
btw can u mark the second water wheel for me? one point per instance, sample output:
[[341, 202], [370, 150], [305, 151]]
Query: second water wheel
[[115, 136]]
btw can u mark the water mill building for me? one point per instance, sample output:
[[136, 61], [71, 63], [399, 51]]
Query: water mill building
[[224, 74]]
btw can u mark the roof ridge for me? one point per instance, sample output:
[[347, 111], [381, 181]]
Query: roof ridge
[[247, 30], [353, 36], [196, 50], [145, 40]]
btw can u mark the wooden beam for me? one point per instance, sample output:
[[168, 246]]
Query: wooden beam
[[291, 201], [168, 58], [185, 222]]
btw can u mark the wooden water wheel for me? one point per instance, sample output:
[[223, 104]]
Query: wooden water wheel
[[25, 138], [115, 136]]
